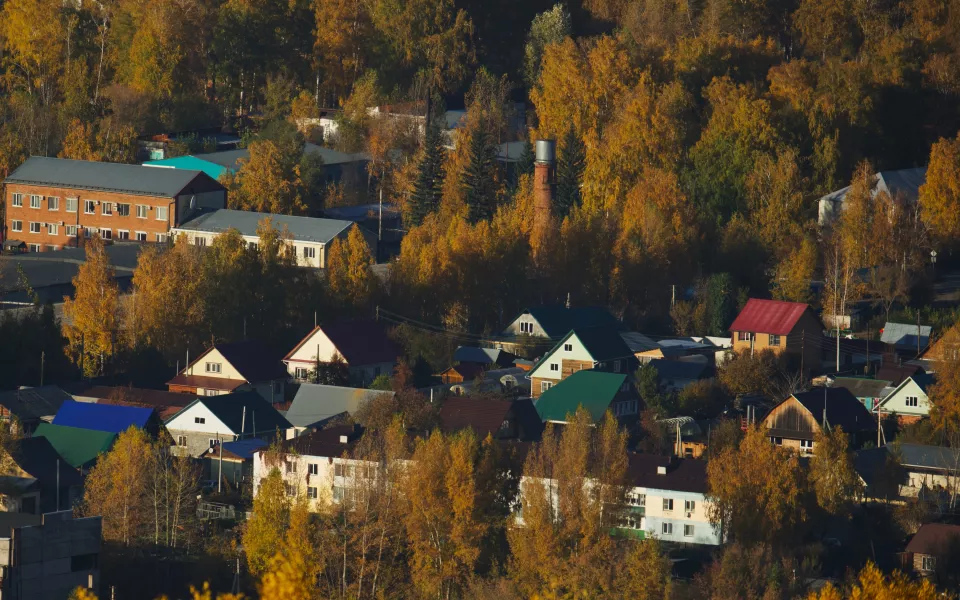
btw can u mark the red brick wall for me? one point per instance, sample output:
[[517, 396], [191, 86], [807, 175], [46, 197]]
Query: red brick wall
[[115, 223]]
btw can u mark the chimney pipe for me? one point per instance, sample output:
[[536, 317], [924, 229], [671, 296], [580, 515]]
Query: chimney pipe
[[544, 180]]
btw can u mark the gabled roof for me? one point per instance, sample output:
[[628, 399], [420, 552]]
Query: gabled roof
[[843, 408], [922, 380], [862, 387], [897, 373], [933, 538], [557, 320], [254, 362], [314, 403], [233, 408], [683, 475], [102, 417], [904, 335], [165, 403], [603, 343], [39, 459], [325, 442], [360, 343], [468, 371], [637, 342], [483, 356], [79, 447], [595, 390], [106, 176], [929, 457], [769, 316], [28, 404], [302, 229], [483, 416], [902, 182]]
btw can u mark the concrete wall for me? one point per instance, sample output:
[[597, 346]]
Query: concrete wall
[[656, 516], [317, 262]]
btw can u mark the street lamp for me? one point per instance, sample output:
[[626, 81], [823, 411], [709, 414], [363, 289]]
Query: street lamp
[[933, 261]]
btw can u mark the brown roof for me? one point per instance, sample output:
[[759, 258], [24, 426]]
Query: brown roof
[[214, 383], [469, 371], [166, 403], [769, 316], [896, 374], [683, 475], [325, 442], [483, 416], [933, 538], [358, 342]]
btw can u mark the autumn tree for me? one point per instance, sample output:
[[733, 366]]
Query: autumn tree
[[940, 194], [263, 533], [872, 583], [351, 282], [269, 180], [794, 273], [293, 570], [91, 319], [944, 394], [342, 31], [548, 27], [832, 476], [756, 491], [752, 572], [117, 488]]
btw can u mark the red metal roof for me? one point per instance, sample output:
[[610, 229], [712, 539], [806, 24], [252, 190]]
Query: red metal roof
[[768, 316]]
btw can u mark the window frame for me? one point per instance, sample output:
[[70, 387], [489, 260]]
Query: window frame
[[56, 203], [123, 210], [16, 225], [71, 201], [689, 505], [89, 207], [161, 210], [773, 340], [38, 227], [309, 252], [213, 367], [300, 372], [928, 563], [106, 209], [68, 228], [666, 529], [743, 336], [53, 229], [668, 505], [688, 530], [312, 493], [911, 401], [545, 385], [145, 209], [313, 469], [16, 200], [123, 234], [140, 236], [106, 233], [199, 420], [181, 441], [36, 201]]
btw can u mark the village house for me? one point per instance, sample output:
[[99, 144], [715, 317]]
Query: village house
[[79, 447], [502, 419], [309, 237], [488, 358], [554, 321], [363, 345], [461, 373], [231, 462], [596, 391], [55, 202], [667, 500], [108, 418], [165, 403], [38, 479], [868, 391], [795, 422], [315, 405], [31, 406], [233, 367], [909, 339], [675, 375], [783, 327], [596, 348], [931, 542], [902, 185], [919, 467], [908, 401], [208, 421]]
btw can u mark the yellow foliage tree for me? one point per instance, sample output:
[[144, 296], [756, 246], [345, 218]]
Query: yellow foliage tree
[[350, 278], [940, 194], [263, 532], [91, 320], [269, 180], [835, 482], [793, 274], [872, 584], [292, 572]]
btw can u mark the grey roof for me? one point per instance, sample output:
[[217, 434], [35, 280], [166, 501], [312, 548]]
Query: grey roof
[[361, 212], [861, 387], [103, 176], [473, 354], [637, 342], [905, 335], [230, 158], [314, 403], [904, 183], [303, 229], [34, 403], [929, 457]]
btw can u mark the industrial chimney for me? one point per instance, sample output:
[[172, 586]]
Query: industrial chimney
[[544, 177]]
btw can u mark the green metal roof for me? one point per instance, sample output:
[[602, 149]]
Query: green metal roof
[[595, 390], [79, 447]]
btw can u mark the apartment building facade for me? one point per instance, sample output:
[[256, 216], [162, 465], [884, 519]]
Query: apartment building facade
[[52, 202]]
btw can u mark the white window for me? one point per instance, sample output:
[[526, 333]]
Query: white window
[[70, 230], [689, 505], [161, 213], [668, 504], [312, 493], [554, 367], [181, 440], [313, 468], [34, 227], [928, 563], [53, 229], [200, 241], [636, 499], [338, 493], [16, 225], [309, 252], [209, 392], [123, 234], [106, 208], [667, 529], [545, 385], [161, 238], [300, 372], [200, 420], [35, 201], [777, 441], [912, 401], [106, 234], [142, 211], [743, 336], [123, 210], [141, 236], [214, 442], [526, 327], [34, 247], [568, 347], [89, 207], [291, 466], [806, 444], [53, 203], [71, 205], [212, 367], [688, 531], [17, 200]]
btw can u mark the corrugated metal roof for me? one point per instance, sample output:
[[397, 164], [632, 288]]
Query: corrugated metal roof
[[905, 334], [103, 176], [862, 388], [303, 229], [190, 163], [102, 417], [768, 316], [314, 403], [79, 447], [594, 390]]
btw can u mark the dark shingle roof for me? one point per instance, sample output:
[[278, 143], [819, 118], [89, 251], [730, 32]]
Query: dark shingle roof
[[895, 374], [860, 387], [603, 343], [252, 360], [483, 416], [325, 442], [105, 176], [33, 403], [229, 408], [933, 538], [843, 409], [677, 369], [595, 390], [683, 475], [358, 342], [556, 320], [102, 417]]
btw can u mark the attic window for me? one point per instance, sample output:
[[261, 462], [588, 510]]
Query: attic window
[[200, 420], [912, 401], [213, 367], [526, 327], [568, 347]]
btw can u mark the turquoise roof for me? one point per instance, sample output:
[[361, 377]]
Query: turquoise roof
[[191, 163]]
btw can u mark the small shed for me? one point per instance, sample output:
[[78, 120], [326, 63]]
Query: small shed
[[14, 247]]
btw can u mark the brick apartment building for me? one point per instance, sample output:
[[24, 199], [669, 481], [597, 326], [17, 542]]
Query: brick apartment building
[[54, 202]]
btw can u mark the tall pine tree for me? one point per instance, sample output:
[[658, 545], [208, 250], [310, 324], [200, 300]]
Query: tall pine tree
[[570, 166], [524, 164], [480, 177], [428, 187]]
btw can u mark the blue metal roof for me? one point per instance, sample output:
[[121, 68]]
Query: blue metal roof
[[102, 417], [244, 448]]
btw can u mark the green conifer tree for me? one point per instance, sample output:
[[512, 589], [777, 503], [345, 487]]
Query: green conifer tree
[[428, 187], [570, 166], [480, 177]]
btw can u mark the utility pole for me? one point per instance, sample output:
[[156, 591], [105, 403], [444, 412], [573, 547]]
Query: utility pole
[[43, 356], [803, 347], [918, 333], [838, 345], [673, 295]]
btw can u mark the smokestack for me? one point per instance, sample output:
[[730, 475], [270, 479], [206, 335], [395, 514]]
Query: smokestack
[[544, 177]]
